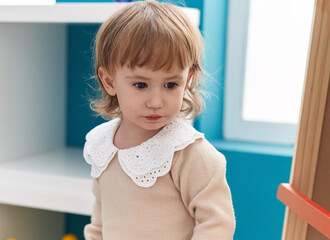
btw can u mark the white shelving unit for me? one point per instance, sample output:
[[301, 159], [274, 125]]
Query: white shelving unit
[[37, 170], [56, 180]]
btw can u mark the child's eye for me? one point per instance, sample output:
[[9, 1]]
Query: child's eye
[[140, 85], [171, 85]]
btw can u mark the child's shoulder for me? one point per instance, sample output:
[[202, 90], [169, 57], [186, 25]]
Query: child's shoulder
[[202, 154], [202, 148]]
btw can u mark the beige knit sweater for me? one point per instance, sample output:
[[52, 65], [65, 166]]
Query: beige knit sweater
[[192, 201]]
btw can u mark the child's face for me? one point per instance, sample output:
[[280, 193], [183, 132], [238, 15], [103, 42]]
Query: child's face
[[148, 99]]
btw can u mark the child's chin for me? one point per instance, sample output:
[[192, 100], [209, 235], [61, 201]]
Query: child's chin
[[153, 126]]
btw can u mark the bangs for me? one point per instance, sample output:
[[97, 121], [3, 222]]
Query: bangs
[[156, 43]]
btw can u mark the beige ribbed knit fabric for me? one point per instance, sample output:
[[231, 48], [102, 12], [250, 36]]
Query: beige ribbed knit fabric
[[192, 201]]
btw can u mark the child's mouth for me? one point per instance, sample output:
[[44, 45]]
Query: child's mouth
[[153, 117]]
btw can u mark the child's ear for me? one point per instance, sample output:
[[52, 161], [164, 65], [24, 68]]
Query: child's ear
[[190, 74], [107, 81]]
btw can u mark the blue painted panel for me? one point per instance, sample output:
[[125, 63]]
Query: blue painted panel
[[214, 32], [80, 119], [254, 180]]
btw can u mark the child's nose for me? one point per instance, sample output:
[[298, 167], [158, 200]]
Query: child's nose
[[155, 99]]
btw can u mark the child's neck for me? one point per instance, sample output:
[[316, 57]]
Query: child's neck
[[127, 137]]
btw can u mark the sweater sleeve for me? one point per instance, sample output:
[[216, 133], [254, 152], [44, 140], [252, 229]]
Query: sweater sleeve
[[199, 173], [93, 231]]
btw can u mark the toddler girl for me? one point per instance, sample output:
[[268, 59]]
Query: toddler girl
[[155, 176]]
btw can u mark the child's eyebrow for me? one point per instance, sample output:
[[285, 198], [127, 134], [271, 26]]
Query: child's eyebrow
[[137, 77], [177, 76]]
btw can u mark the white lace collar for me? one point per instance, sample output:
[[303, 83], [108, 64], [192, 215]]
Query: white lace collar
[[145, 162]]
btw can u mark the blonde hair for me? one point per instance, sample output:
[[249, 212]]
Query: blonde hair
[[153, 34]]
